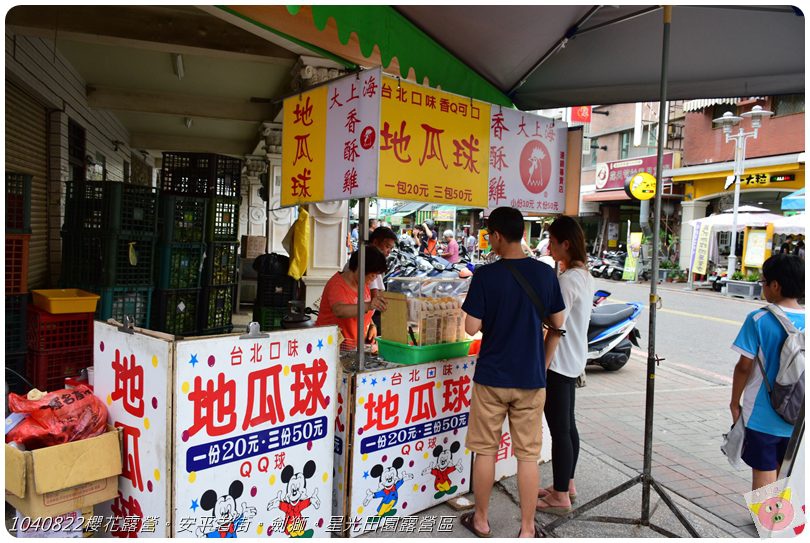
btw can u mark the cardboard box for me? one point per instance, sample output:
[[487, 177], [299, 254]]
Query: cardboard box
[[253, 246], [63, 478], [394, 320]]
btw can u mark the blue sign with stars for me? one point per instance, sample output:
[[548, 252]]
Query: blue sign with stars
[[234, 449], [393, 438]]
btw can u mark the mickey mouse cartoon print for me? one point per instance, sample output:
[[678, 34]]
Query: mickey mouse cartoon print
[[442, 468], [390, 480], [294, 501], [226, 517]]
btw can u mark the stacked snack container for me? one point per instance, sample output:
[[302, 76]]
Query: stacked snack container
[[433, 311]]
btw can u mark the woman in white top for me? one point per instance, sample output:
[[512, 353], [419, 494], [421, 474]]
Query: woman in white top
[[567, 362]]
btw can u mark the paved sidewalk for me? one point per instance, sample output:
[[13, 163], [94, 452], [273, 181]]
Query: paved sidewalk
[[691, 414], [596, 475]]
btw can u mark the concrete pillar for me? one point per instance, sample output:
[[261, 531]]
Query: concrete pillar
[[689, 212], [58, 173], [279, 220], [327, 247]]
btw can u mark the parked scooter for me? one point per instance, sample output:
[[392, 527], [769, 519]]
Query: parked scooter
[[405, 262], [718, 280], [600, 296], [615, 271], [599, 266], [612, 332], [605, 266]]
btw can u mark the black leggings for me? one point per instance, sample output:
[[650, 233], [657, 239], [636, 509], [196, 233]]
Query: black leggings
[[559, 412]]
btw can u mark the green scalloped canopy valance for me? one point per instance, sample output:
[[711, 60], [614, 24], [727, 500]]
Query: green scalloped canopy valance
[[395, 36]]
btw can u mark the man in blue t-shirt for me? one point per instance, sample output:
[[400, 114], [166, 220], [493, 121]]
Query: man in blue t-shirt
[[510, 377], [766, 433]]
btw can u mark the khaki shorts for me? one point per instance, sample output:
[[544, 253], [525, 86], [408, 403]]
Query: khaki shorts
[[488, 408]]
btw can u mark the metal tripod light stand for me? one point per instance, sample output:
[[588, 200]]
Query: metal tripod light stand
[[645, 478]]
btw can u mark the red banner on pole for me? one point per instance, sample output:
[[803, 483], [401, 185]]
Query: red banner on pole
[[581, 114]]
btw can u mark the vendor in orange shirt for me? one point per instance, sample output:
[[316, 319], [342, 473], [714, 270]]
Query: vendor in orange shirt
[[339, 299]]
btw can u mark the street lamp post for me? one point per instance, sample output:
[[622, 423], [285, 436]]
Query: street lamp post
[[727, 122]]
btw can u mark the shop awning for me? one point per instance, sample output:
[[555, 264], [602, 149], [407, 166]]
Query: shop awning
[[606, 196], [697, 105], [789, 161], [409, 208], [618, 196], [795, 201], [462, 208], [540, 56]]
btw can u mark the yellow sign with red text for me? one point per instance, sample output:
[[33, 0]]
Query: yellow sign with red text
[[373, 135], [303, 160], [434, 146]]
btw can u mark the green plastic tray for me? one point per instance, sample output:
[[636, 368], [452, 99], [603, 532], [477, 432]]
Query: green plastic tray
[[399, 353]]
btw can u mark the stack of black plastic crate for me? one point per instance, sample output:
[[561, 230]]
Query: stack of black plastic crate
[[181, 230], [108, 246], [18, 234], [221, 270], [274, 290], [200, 197]]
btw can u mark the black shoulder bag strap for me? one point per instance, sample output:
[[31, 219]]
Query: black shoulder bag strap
[[529, 290]]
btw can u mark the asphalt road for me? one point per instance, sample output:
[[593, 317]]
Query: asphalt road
[[695, 329]]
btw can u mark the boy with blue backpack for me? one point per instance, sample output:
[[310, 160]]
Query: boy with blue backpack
[[771, 344]]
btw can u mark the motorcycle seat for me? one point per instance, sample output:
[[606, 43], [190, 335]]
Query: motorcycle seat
[[604, 316]]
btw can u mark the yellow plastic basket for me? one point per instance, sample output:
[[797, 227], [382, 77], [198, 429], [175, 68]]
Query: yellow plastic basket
[[65, 300]]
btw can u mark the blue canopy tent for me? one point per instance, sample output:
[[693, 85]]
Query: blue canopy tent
[[794, 201]]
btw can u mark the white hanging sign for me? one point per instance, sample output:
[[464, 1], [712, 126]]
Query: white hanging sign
[[527, 157]]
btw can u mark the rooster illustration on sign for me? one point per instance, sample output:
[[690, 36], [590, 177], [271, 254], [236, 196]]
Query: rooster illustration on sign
[[535, 167]]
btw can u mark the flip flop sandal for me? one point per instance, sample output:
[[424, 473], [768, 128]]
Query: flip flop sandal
[[467, 522], [553, 509], [573, 496]]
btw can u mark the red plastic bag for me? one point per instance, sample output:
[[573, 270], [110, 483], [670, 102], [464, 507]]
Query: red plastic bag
[[57, 417]]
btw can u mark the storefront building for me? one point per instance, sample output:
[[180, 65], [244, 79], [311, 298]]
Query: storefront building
[[620, 141], [617, 208], [774, 165]]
